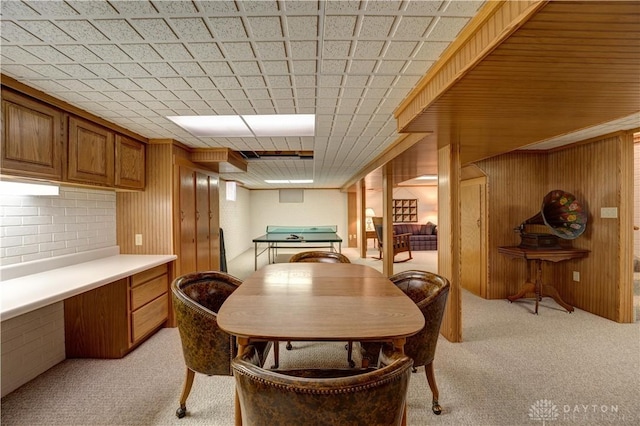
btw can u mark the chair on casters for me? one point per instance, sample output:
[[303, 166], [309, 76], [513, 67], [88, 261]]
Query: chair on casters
[[429, 291], [401, 242], [317, 257], [363, 397], [207, 349]]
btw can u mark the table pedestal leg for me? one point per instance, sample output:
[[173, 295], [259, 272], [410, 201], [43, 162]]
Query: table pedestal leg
[[541, 290], [550, 291]]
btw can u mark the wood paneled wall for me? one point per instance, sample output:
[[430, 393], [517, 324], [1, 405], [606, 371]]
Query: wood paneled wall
[[600, 174], [149, 212]]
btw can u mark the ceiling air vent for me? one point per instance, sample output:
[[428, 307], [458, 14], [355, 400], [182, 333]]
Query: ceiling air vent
[[267, 155]]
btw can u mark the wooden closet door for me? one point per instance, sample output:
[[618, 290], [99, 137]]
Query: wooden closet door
[[202, 222], [187, 226]]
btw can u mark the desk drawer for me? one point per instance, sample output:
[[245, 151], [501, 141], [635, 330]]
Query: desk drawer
[[144, 276], [149, 317], [148, 291]]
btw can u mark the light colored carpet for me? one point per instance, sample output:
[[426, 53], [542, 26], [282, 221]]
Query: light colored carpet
[[511, 364]]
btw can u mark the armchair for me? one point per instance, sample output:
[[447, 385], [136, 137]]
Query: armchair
[[429, 291], [372, 396], [401, 242], [207, 349]]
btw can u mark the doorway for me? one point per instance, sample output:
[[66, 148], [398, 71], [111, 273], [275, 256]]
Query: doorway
[[473, 261]]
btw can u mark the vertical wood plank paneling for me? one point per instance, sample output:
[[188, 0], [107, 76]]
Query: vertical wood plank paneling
[[516, 186], [148, 212], [600, 174], [387, 223], [449, 226]]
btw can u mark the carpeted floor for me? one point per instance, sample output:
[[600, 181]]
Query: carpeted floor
[[511, 365]]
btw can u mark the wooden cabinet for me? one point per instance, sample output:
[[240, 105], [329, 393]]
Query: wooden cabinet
[[44, 142], [32, 135], [111, 320], [198, 229], [130, 163], [91, 153], [404, 210]]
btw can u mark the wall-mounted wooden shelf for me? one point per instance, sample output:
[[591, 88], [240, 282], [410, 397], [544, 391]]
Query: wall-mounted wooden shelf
[[404, 210]]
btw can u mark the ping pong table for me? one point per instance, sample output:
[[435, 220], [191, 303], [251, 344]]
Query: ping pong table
[[296, 237]]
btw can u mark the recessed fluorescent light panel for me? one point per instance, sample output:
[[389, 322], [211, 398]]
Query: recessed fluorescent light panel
[[427, 177], [241, 126]]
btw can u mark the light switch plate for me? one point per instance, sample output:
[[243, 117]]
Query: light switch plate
[[609, 212], [138, 239]]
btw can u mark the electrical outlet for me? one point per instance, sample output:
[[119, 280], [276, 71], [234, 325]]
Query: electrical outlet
[[576, 276], [138, 239], [609, 212]]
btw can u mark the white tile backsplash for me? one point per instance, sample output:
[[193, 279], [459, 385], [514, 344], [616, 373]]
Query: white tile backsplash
[[40, 227]]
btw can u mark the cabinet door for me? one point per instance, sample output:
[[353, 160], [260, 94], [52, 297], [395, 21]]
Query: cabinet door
[[202, 222], [130, 163], [187, 224], [91, 153], [214, 223], [31, 138]]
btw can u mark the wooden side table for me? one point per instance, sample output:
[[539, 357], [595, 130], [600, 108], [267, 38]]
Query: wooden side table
[[534, 258]]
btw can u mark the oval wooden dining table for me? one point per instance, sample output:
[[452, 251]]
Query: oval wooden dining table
[[318, 302]]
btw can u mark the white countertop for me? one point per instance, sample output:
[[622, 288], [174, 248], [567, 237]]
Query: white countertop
[[30, 292]]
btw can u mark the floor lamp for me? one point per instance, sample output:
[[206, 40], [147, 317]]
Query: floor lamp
[[369, 213]]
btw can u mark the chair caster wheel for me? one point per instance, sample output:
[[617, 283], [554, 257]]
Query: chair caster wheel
[[437, 409], [289, 346], [181, 412]]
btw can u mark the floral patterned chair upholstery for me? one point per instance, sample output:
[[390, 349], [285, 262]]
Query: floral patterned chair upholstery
[[207, 349], [372, 396], [429, 291]]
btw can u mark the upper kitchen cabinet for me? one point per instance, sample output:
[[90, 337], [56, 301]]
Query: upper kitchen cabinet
[[32, 138], [91, 154], [130, 163]]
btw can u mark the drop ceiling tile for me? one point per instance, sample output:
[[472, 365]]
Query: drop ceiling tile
[[334, 66], [238, 51], [339, 27], [187, 95], [134, 8], [412, 27], [400, 49], [82, 30], [279, 81], [15, 34], [118, 30], [234, 95], [214, 69], [376, 26], [47, 31], [93, 8], [141, 52], [174, 83], [382, 81], [118, 96], [200, 82], [390, 67], [362, 66], [285, 106], [75, 85], [466, 8], [131, 70], [431, 50], [329, 93], [19, 54], [49, 71], [218, 7], [305, 80], [265, 27], [275, 67], [262, 105], [150, 84], [173, 51], [260, 6], [342, 6], [302, 27], [306, 94], [271, 49], [76, 71], [141, 95], [282, 93], [228, 28], [447, 28], [355, 92], [205, 51], [304, 67], [158, 69], [304, 49], [103, 70], [154, 29], [176, 105], [336, 49], [368, 49], [255, 82], [190, 29], [188, 68], [124, 83], [109, 52], [418, 67], [21, 70], [78, 53], [15, 8], [211, 95], [175, 7], [226, 82], [422, 7]]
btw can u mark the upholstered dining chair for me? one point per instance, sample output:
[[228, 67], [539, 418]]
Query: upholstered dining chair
[[207, 349], [401, 242], [429, 291], [371, 396], [319, 257]]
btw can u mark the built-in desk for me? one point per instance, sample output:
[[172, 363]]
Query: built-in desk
[[534, 258]]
